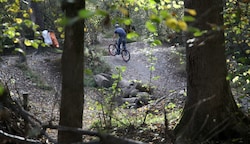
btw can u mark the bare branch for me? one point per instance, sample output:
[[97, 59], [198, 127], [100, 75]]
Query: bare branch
[[18, 139], [104, 138]]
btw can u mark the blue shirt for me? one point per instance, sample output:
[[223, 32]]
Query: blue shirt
[[121, 32]]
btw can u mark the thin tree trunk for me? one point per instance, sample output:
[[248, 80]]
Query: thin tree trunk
[[37, 16], [71, 107], [210, 111]]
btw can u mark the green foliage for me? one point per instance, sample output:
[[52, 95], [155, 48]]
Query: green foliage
[[150, 27], [16, 26], [237, 31], [1, 89], [107, 104], [151, 58], [158, 17], [132, 35]]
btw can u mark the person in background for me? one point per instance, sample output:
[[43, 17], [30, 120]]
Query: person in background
[[122, 37], [54, 39], [49, 38], [46, 37]]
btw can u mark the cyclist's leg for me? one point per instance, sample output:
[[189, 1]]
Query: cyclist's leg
[[124, 43], [119, 45]]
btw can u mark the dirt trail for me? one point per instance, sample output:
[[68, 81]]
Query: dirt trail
[[46, 66], [166, 65]]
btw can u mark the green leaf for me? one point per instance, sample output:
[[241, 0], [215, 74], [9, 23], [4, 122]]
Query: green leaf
[[35, 45], [157, 42], [150, 26], [136, 9], [171, 105], [191, 11], [182, 25], [123, 68], [10, 32], [28, 23], [27, 42], [156, 77], [20, 50], [18, 20], [235, 79], [155, 18], [64, 21], [176, 6], [172, 23], [43, 45], [115, 76], [152, 68], [132, 35], [101, 12], [188, 18], [127, 21], [193, 29], [165, 14], [1, 89], [198, 33], [60, 29], [16, 40], [85, 13], [88, 71]]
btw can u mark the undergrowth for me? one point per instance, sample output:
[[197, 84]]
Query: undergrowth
[[94, 64]]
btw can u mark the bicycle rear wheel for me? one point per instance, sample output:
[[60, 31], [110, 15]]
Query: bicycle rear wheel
[[125, 55], [112, 49]]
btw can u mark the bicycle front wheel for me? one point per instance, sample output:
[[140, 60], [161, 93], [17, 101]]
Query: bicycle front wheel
[[125, 55], [112, 49]]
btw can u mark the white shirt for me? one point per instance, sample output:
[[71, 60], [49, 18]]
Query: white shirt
[[46, 37]]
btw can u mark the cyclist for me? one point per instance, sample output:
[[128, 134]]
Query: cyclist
[[122, 37]]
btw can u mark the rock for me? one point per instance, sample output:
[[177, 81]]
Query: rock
[[142, 99], [108, 76], [102, 81], [136, 94], [129, 100], [144, 88], [125, 83], [129, 91]]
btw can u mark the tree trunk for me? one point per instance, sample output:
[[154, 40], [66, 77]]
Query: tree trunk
[[71, 107], [210, 111], [37, 16]]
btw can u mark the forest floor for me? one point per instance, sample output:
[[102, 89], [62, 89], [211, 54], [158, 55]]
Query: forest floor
[[41, 80]]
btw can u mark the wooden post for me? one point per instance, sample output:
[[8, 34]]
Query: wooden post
[[25, 106], [25, 101]]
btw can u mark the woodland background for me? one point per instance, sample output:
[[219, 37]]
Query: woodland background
[[83, 28]]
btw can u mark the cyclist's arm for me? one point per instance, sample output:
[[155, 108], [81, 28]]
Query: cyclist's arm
[[114, 36]]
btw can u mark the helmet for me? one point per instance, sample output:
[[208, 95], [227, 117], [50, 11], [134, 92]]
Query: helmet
[[116, 25]]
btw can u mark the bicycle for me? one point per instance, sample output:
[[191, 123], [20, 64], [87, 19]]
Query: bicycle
[[113, 48]]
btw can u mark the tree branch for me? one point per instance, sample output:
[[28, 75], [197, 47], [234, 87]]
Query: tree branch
[[18, 139], [104, 138]]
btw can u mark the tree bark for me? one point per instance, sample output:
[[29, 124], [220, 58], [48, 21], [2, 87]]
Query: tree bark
[[37, 16], [71, 107], [210, 111]]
